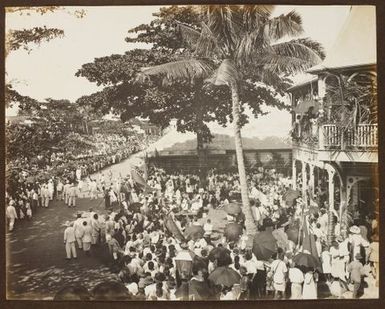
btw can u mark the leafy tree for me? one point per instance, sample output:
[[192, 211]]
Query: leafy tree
[[235, 44], [25, 39], [17, 39], [189, 102]]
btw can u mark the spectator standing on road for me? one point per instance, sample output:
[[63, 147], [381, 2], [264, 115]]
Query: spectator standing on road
[[356, 271], [279, 271], [50, 188], [45, 196], [79, 231], [11, 215], [59, 190], [69, 240], [374, 258], [95, 224], [310, 285], [72, 193], [87, 238], [296, 278], [66, 188]]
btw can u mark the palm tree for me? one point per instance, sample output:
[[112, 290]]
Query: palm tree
[[235, 44]]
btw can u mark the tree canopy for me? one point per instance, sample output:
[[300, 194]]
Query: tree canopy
[[190, 103]]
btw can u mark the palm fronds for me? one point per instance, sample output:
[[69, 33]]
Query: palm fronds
[[283, 64], [226, 74], [303, 48], [254, 16], [189, 35], [284, 25]]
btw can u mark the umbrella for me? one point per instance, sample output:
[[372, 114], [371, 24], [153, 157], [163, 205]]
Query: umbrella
[[290, 196], [233, 231], [135, 206], [221, 255], [307, 260], [232, 208], [224, 276], [293, 233], [264, 245], [194, 232], [282, 239], [218, 252]]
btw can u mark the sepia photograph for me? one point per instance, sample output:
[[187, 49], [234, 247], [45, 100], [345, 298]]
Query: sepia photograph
[[191, 153]]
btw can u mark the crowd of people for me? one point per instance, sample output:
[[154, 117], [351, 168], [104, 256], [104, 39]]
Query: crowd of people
[[34, 182], [163, 244]]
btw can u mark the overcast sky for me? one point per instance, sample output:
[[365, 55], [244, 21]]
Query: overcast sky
[[49, 70]]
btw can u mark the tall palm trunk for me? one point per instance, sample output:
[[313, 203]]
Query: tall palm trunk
[[202, 159], [331, 228], [249, 220], [201, 151]]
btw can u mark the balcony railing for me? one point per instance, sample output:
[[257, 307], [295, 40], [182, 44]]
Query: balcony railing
[[363, 136]]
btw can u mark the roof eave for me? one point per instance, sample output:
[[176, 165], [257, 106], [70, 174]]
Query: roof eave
[[301, 84], [320, 69]]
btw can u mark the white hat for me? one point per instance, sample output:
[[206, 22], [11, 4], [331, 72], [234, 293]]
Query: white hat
[[354, 229], [132, 288]]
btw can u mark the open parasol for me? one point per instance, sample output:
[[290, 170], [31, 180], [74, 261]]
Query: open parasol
[[225, 276], [232, 208], [290, 196], [233, 231], [264, 245], [293, 233], [194, 232], [219, 253], [306, 259]]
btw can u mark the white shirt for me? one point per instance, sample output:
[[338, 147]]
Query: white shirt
[[279, 269], [295, 275], [11, 212], [251, 267]]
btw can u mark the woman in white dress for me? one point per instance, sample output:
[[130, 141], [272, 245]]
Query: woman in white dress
[[326, 259], [310, 285], [169, 189]]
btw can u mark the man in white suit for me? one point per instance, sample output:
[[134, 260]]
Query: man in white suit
[[78, 227], [72, 193], [11, 215], [69, 240], [45, 196]]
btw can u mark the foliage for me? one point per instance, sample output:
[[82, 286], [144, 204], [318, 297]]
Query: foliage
[[244, 42], [352, 101], [25, 103], [187, 101], [28, 10], [16, 39]]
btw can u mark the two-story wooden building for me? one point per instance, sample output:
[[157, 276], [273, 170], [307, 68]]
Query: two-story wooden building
[[335, 132]]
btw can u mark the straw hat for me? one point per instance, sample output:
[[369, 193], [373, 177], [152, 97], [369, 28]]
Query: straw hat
[[184, 245], [354, 229]]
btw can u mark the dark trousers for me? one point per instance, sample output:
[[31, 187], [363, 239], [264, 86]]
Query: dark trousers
[[356, 289], [260, 280]]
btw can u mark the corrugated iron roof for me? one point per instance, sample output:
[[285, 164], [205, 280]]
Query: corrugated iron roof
[[356, 44]]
